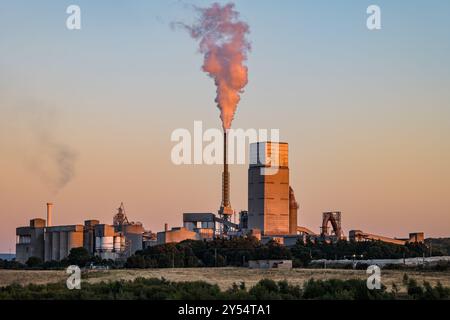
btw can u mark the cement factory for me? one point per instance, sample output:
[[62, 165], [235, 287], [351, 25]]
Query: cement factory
[[272, 215]]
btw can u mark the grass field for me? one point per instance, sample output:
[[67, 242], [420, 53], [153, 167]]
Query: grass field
[[224, 277]]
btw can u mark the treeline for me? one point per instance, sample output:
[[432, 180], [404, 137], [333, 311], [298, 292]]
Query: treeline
[[77, 256], [215, 253], [161, 289], [441, 245], [305, 252], [237, 252]]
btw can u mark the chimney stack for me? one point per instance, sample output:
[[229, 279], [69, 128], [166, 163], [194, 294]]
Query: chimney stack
[[226, 175], [166, 227], [225, 210], [49, 214]]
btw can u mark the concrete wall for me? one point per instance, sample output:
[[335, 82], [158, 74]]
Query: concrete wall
[[416, 237], [104, 230], [48, 246], [276, 203], [268, 201], [34, 246], [135, 242], [255, 199], [59, 240], [88, 235], [134, 236], [268, 189], [74, 240], [55, 246]]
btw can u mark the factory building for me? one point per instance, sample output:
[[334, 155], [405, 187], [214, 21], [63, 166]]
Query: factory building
[[59, 240], [30, 241], [272, 207], [53, 243], [89, 235], [358, 236], [334, 234], [175, 235], [47, 243], [271, 202], [133, 232], [196, 226], [272, 216], [109, 244], [204, 224], [134, 235]]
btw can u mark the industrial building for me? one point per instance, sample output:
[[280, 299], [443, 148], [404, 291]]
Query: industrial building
[[272, 207], [358, 235], [268, 188], [199, 226], [30, 241], [53, 243], [272, 216], [175, 235], [59, 240], [204, 224], [336, 233]]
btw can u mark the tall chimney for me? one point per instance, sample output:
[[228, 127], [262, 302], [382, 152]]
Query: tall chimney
[[225, 209], [166, 227], [49, 214], [225, 175]]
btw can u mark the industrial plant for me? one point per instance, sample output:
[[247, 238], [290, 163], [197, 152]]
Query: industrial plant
[[53, 243], [272, 216]]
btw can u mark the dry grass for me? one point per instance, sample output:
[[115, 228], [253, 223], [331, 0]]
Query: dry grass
[[24, 277], [224, 277]]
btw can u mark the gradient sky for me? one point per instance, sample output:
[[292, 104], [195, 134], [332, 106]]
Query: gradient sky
[[366, 114]]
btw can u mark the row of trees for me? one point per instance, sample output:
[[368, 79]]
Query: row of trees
[[237, 252], [215, 253], [77, 256], [161, 289]]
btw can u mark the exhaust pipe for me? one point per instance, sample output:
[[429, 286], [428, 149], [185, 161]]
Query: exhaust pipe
[[49, 214]]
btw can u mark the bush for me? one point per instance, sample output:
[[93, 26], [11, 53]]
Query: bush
[[334, 289], [34, 262], [414, 290], [79, 257], [14, 265], [161, 289]]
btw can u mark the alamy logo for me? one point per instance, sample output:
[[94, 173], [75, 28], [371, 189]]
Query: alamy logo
[[374, 280], [207, 147], [73, 22], [74, 280], [374, 20]]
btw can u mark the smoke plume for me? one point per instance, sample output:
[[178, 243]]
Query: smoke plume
[[224, 45], [55, 160], [36, 141]]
